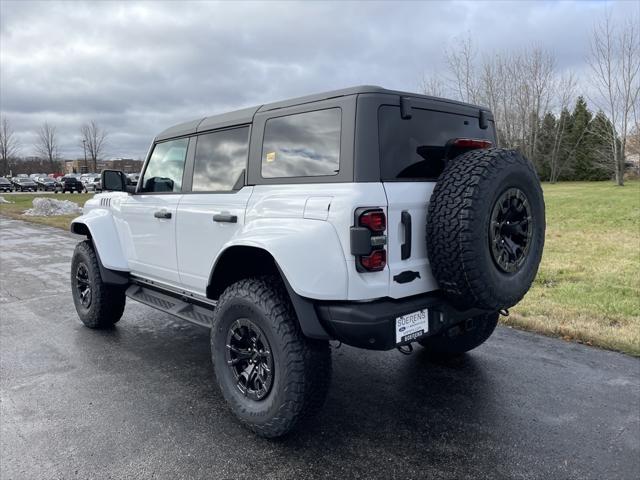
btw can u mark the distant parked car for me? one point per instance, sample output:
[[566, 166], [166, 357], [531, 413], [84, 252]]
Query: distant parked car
[[5, 185], [46, 184], [24, 184], [36, 176], [70, 184], [91, 183], [21, 175], [132, 178]]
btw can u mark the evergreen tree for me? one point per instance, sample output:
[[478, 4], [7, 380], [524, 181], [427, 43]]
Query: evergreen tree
[[559, 162], [579, 154], [545, 148], [600, 133]]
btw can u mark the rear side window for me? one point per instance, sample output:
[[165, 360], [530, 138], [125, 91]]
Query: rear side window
[[302, 145], [166, 166], [220, 159], [415, 148]]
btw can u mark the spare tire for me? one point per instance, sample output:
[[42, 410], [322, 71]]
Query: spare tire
[[485, 229]]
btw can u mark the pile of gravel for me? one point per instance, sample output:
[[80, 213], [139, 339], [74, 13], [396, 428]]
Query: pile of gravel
[[48, 207]]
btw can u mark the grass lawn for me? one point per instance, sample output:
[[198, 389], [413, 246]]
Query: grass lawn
[[22, 202], [588, 285]]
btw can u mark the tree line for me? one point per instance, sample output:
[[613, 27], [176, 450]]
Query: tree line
[[46, 146], [538, 110]]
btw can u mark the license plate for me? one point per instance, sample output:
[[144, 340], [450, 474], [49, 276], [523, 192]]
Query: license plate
[[412, 325]]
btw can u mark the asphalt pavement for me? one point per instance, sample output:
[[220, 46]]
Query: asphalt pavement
[[139, 401]]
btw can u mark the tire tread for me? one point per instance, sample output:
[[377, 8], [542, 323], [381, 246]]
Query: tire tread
[[108, 301], [307, 363], [450, 235]]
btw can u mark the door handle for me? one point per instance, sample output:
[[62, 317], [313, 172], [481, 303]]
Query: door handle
[[162, 214], [405, 249], [225, 217]]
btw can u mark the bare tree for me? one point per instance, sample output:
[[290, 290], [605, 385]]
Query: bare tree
[[461, 62], [540, 69], [94, 139], [432, 85], [47, 144], [566, 93], [9, 145], [615, 65], [516, 87]]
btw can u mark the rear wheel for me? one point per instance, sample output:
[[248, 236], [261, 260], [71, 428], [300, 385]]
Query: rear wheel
[[463, 337], [99, 305], [269, 373]]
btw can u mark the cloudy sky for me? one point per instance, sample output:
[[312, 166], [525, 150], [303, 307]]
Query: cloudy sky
[[138, 67]]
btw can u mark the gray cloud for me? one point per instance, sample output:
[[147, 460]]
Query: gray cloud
[[137, 68]]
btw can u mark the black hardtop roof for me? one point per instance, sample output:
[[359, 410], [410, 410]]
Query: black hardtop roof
[[245, 115]]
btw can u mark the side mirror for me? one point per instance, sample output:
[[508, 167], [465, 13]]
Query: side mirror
[[113, 180]]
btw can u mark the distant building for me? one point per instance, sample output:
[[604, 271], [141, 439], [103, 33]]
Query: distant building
[[127, 165]]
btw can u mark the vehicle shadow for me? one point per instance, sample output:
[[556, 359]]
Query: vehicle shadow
[[379, 404]]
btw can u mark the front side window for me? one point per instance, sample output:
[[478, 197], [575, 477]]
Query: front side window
[[302, 145], [220, 159], [166, 165]]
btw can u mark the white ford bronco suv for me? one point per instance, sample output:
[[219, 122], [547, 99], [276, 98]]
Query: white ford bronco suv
[[367, 216]]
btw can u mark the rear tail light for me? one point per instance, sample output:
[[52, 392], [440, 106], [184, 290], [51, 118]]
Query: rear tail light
[[374, 262], [374, 220], [368, 240], [472, 143]]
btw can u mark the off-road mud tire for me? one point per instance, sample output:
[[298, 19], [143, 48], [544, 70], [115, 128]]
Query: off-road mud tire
[[107, 301], [302, 366]]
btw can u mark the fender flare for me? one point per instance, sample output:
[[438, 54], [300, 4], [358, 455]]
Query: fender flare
[[273, 246], [98, 226], [308, 254], [308, 318]]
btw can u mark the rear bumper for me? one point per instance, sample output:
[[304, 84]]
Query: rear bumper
[[372, 325]]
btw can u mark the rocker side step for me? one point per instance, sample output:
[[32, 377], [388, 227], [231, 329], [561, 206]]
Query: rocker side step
[[175, 306]]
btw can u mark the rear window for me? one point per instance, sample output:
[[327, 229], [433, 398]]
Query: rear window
[[302, 145], [415, 148]]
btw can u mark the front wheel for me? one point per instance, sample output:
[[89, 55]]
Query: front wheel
[[99, 305], [463, 337], [269, 373]]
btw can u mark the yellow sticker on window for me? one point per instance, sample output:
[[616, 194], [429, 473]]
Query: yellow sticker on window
[[271, 156]]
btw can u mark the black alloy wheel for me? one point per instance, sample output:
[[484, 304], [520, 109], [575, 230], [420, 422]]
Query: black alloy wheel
[[510, 230], [249, 357], [83, 285]]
